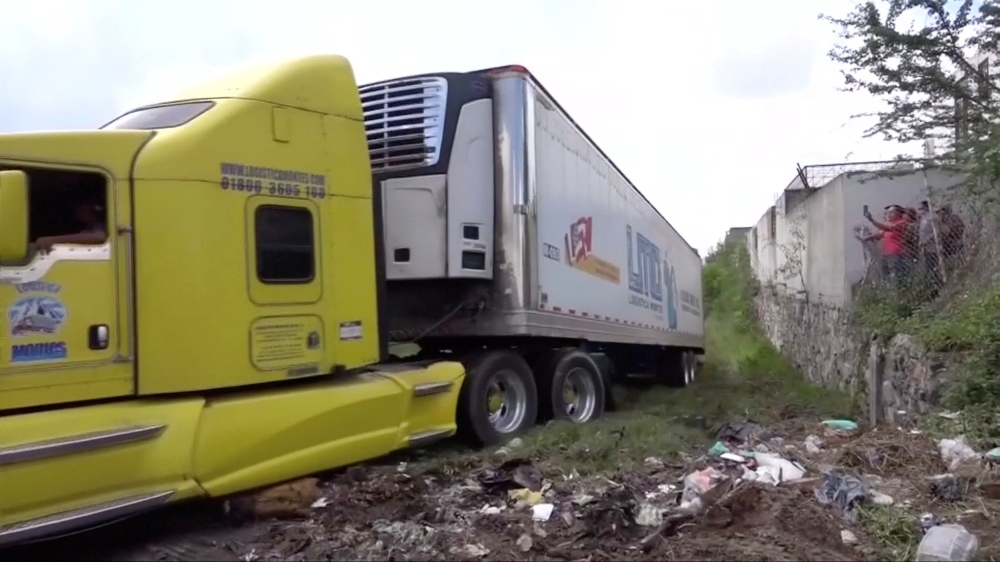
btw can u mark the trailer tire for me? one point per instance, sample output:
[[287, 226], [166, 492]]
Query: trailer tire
[[571, 375], [487, 376], [672, 369]]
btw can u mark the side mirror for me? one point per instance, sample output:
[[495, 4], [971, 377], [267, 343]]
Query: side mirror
[[13, 215]]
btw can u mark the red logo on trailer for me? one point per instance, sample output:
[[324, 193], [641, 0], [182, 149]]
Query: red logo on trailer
[[581, 239], [580, 251]]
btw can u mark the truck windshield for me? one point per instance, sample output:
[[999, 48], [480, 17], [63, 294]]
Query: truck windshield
[[160, 116]]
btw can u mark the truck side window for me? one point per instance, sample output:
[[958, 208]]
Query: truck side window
[[286, 250], [65, 207]]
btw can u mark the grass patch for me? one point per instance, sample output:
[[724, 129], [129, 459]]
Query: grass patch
[[744, 377], [893, 529], [962, 323]]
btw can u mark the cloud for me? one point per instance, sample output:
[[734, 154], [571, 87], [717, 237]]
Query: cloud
[[707, 107]]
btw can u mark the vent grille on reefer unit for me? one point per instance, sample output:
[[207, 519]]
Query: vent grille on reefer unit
[[404, 120]]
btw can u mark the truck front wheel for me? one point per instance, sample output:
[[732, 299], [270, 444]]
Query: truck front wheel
[[498, 399], [572, 385]]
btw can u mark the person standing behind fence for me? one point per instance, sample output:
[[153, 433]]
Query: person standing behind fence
[[952, 237], [928, 243], [893, 242]]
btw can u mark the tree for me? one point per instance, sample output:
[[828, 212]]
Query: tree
[[917, 56]]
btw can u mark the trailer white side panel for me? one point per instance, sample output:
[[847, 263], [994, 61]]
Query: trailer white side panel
[[604, 253]]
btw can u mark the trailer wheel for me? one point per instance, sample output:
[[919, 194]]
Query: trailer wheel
[[498, 399], [673, 369], [573, 386]]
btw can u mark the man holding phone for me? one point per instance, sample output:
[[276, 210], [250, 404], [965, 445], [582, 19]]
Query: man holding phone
[[893, 233]]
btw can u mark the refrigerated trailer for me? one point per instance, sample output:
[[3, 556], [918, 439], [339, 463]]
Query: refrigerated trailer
[[506, 226]]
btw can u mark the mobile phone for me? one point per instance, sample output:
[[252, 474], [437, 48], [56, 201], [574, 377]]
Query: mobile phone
[[865, 210]]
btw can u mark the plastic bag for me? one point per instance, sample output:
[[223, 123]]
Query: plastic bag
[[842, 491]]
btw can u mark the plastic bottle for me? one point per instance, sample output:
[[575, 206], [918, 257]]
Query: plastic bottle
[[947, 543]]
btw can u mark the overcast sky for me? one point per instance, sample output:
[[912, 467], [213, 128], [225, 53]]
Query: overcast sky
[[706, 106]]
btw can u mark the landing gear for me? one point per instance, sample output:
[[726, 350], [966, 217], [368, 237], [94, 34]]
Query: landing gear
[[677, 368], [498, 399], [572, 387], [690, 367]]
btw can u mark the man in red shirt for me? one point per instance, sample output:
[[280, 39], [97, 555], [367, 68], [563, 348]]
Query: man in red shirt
[[893, 234]]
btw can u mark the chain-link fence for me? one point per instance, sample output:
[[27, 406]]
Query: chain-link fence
[[944, 243]]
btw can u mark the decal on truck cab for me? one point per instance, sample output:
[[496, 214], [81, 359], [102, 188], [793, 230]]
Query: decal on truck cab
[[579, 246], [29, 352], [242, 178], [36, 315]]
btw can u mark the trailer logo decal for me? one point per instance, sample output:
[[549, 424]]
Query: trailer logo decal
[[30, 352], [690, 303], [580, 255], [36, 315], [644, 272], [257, 180], [671, 281]]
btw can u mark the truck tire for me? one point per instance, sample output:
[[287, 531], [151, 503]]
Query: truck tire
[[571, 387], [672, 369], [498, 399]]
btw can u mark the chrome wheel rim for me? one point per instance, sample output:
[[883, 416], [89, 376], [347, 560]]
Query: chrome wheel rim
[[506, 401], [579, 395]]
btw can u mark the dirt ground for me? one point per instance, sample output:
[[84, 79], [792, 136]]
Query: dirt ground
[[610, 500]]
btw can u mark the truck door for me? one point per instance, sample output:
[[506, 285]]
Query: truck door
[[63, 314]]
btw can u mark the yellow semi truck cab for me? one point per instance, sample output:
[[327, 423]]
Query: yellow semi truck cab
[[190, 300]]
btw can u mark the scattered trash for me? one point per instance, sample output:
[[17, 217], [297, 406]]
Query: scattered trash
[[956, 452], [515, 473], [509, 447], [542, 511], [775, 469], [653, 462], [698, 483], [848, 537], [813, 444], [951, 543], [703, 487], [950, 415], [843, 491], [927, 521], [840, 428], [741, 433], [993, 455], [649, 515], [582, 500], [662, 489], [470, 550], [490, 510], [733, 457], [947, 488], [878, 498], [525, 497], [718, 449], [320, 503], [842, 425]]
